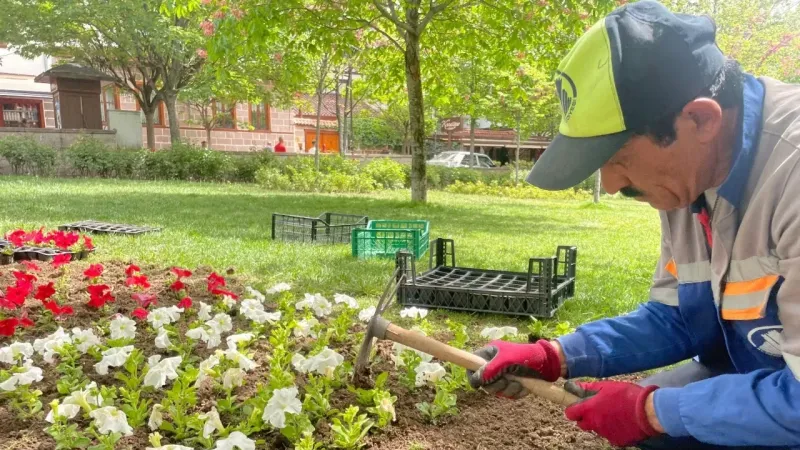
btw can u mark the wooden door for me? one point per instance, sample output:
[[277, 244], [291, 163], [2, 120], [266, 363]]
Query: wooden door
[[329, 139]]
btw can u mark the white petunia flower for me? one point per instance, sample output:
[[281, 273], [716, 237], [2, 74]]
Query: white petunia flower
[[256, 295], [49, 346], [234, 339], [498, 332], [241, 360], [366, 314], [65, 411], [280, 287], [164, 316], [209, 335], [233, 377], [414, 312], [162, 371], [319, 304], [228, 301], [83, 340], [162, 340], [346, 299], [236, 440], [123, 328], [24, 378], [247, 305], [205, 368], [204, 311], [10, 354], [84, 398], [111, 420], [300, 363], [153, 360], [324, 362], [113, 357], [156, 417], [212, 422], [283, 401], [429, 373], [305, 328], [221, 323]]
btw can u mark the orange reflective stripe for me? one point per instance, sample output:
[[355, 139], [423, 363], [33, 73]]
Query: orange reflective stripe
[[748, 287], [672, 268], [743, 314]]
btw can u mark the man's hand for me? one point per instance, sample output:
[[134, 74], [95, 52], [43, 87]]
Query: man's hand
[[539, 360], [615, 410]]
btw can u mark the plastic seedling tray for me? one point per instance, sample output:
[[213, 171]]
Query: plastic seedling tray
[[538, 292], [93, 226], [384, 238], [327, 228]]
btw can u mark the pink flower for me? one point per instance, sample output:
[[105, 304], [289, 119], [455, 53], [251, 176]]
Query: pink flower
[[238, 13], [143, 299], [201, 53], [208, 27]]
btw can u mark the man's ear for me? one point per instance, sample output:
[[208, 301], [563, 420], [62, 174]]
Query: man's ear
[[705, 117]]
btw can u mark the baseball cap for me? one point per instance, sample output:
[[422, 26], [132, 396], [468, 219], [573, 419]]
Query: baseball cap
[[639, 63]]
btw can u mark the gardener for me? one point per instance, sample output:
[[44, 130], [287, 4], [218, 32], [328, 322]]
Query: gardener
[[650, 100]]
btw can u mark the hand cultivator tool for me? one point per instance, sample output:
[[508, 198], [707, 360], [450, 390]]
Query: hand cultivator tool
[[381, 328]]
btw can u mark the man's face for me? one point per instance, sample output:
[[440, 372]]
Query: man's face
[[666, 177]]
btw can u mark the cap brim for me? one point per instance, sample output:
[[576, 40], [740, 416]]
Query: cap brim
[[568, 161]]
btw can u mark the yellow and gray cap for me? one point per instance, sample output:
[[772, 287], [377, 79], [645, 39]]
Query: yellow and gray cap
[[639, 63]]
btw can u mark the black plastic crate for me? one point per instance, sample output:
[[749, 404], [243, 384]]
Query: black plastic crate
[[540, 292], [93, 226], [328, 228]]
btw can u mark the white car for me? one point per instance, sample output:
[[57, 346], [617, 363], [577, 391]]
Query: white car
[[461, 159]]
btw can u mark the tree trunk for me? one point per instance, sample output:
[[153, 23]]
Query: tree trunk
[[471, 141], [516, 156], [149, 121], [597, 186], [348, 110], [318, 135], [208, 138], [340, 126], [419, 188], [170, 101]]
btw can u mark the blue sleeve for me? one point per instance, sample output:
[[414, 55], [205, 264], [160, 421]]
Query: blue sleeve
[[654, 335], [760, 408]]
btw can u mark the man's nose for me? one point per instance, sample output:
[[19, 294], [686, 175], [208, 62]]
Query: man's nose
[[612, 180]]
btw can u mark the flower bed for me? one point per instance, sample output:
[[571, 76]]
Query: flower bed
[[38, 245], [120, 356]]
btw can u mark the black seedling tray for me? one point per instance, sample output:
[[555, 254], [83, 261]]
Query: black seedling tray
[[27, 253], [93, 226], [328, 228], [539, 292]]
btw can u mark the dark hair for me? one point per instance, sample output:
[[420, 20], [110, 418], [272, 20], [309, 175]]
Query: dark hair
[[726, 90]]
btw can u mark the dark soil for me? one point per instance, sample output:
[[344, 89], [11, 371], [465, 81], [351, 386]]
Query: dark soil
[[484, 422]]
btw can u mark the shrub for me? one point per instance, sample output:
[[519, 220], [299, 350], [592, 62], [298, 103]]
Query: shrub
[[523, 191], [88, 156], [387, 173], [337, 164], [272, 178], [187, 162], [25, 155]]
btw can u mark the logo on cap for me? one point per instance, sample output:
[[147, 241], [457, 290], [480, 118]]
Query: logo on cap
[[567, 94]]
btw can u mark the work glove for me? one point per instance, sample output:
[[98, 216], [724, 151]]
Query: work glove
[[614, 410], [539, 360]]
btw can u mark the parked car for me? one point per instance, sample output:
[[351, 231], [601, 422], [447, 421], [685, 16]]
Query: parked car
[[461, 159]]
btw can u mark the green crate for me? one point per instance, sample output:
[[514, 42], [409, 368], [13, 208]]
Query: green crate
[[384, 238]]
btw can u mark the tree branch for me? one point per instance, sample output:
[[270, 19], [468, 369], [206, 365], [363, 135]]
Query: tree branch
[[433, 11], [392, 15]]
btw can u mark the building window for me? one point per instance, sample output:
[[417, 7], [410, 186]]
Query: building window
[[259, 116], [22, 113], [226, 115], [109, 101]]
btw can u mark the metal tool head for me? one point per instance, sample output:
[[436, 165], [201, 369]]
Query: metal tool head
[[376, 328]]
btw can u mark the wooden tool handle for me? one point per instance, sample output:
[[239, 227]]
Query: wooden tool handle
[[470, 361]]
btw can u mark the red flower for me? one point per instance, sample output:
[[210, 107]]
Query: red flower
[[94, 271], [61, 259], [24, 277], [144, 299], [38, 237], [64, 240], [31, 266], [57, 310], [97, 289], [181, 273], [215, 281], [17, 294], [7, 304], [222, 292], [139, 313], [177, 286], [16, 237], [138, 281], [132, 269], [99, 295], [44, 291], [87, 242], [25, 322], [9, 326], [185, 303]]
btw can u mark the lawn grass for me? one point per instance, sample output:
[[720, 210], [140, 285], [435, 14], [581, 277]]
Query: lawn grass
[[228, 226]]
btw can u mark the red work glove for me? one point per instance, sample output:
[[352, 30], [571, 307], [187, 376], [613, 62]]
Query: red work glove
[[539, 360], [613, 410]]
